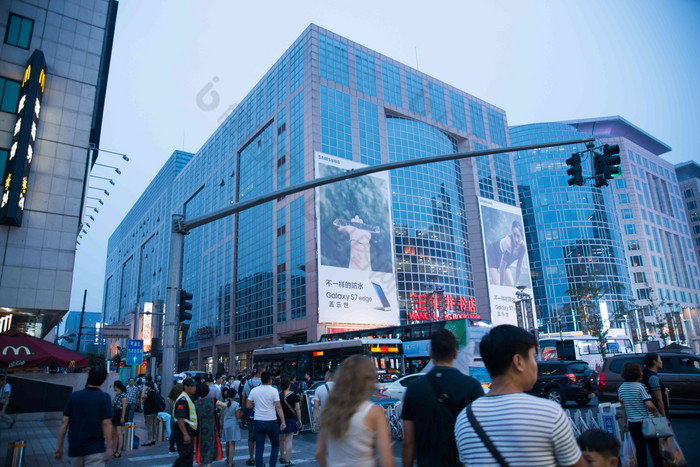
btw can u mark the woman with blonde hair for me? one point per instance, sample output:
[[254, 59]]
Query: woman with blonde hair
[[353, 429]]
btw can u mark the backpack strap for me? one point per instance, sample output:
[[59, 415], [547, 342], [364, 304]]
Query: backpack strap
[[485, 438]]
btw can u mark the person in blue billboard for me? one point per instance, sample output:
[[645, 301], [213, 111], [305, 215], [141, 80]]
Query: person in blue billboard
[[503, 252]]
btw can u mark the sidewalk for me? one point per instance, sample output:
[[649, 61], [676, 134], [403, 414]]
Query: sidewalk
[[41, 435]]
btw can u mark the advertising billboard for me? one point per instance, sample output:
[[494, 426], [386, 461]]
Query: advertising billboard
[[507, 265], [356, 277]]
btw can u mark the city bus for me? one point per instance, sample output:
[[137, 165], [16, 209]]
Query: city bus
[[579, 346], [319, 357], [416, 343]]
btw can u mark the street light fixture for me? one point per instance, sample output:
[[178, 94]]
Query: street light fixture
[[98, 200], [111, 182], [116, 169], [95, 148], [103, 190]]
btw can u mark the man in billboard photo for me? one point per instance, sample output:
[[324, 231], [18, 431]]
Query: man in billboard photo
[[503, 252], [359, 234]]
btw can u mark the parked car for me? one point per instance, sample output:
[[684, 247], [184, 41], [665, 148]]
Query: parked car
[[562, 381], [397, 389], [680, 374]]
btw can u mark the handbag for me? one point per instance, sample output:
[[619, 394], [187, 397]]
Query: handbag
[[656, 427]]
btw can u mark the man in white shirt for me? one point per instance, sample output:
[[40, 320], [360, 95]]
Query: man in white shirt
[[5, 392], [522, 429], [266, 401], [320, 398]]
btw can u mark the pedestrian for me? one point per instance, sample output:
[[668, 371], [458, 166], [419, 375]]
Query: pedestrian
[[294, 385], [231, 431], [133, 396], [5, 394], [166, 419], [186, 415], [172, 396], [208, 445], [150, 411], [432, 403], [87, 418], [507, 423], [354, 431], [653, 384], [636, 406], [308, 382], [320, 398], [266, 401], [213, 389], [599, 448], [292, 417], [249, 414], [119, 405]]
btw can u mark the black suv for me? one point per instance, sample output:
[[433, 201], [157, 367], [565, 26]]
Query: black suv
[[562, 381]]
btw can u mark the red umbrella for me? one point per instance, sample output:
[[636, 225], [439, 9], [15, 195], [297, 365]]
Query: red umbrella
[[19, 350]]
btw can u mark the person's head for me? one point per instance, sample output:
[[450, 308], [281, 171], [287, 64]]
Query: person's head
[[355, 382], [329, 375], [284, 383], [510, 352], [266, 377], [258, 371], [292, 379], [307, 375], [150, 385], [97, 376], [131, 382], [240, 377], [119, 387], [516, 235], [599, 448], [443, 347], [149, 378], [202, 390], [189, 385], [652, 360], [631, 372], [209, 380]]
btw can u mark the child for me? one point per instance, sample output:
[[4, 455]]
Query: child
[[599, 448], [229, 420]]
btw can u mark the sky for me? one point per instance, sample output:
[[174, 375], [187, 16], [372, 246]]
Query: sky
[[539, 61]]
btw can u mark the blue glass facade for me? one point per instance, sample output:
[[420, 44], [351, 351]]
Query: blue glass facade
[[249, 273], [571, 232]]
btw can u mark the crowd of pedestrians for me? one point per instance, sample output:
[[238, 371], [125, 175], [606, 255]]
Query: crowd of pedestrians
[[447, 418]]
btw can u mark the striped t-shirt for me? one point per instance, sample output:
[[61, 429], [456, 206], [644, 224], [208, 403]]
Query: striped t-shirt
[[525, 429], [632, 396]]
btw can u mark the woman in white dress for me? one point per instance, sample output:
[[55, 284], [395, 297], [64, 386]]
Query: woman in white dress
[[354, 431], [231, 431]]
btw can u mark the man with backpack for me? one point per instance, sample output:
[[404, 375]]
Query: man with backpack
[[432, 404], [249, 414]]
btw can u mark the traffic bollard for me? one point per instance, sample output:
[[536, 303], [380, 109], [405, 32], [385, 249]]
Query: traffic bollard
[[15, 453], [129, 429]]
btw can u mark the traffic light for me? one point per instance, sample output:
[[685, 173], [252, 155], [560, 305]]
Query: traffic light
[[607, 165], [185, 305], [575, 170]]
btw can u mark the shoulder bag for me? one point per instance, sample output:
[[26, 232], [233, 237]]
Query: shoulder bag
[[485, 438], [656, 427]]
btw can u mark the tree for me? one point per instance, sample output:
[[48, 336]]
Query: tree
[[96, 359], [585, 298], [657, 308]]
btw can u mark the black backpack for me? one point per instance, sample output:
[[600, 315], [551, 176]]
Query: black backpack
[[159, 402]]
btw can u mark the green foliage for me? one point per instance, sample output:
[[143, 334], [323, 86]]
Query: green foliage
[[96, 359]]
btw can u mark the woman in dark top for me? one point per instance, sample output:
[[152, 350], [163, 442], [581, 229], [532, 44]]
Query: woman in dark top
[[150, 410], [119, 409], [292, 415], [655, 387], [502, 253]]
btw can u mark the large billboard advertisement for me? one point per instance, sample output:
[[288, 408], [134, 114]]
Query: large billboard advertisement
[[356, 277], [507, 265]]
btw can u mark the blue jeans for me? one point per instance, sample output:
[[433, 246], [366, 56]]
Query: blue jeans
[[262, 428]]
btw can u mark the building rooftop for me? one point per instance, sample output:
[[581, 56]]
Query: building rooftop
[[608, 127], [687, 170]]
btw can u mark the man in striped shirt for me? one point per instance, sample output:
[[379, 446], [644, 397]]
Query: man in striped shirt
[[524, 429]]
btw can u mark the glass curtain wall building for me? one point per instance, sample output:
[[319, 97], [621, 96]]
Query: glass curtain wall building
[[573, 233], [254, 275], [658, 248]]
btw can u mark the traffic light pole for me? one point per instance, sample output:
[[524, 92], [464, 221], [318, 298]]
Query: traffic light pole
[[181, 227], [170, 320]]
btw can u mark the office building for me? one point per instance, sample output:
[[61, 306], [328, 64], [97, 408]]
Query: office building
[[657, 240], [54, 63], [573, 233], [89, 332], [285, 272]]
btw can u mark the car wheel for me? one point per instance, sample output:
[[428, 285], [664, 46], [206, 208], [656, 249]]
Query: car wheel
[[555, 395], [583, 401]]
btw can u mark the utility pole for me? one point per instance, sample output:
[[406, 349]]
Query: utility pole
[[181, 227], [80, 327]]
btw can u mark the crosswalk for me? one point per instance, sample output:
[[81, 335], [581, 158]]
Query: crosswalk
[[166, 459]]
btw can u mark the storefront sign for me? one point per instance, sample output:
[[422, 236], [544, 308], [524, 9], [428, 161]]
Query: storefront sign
[[15, 180]]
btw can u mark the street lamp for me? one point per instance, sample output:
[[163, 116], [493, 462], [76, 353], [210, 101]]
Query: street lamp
[[102, 189], [95, 148], [111, 182], [116, 169], [98, 200]]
